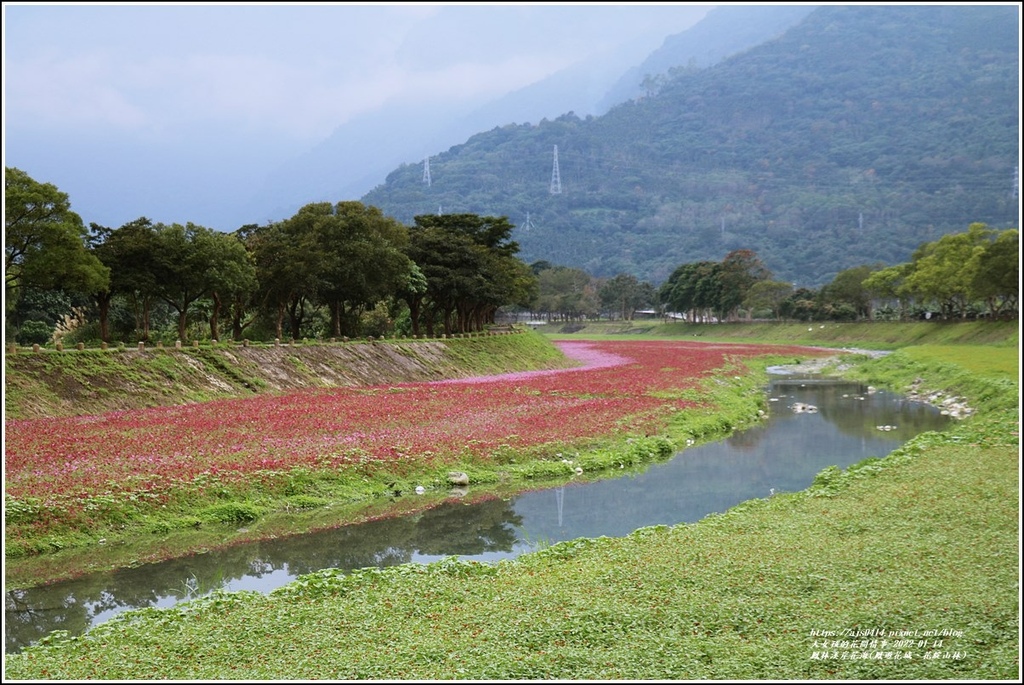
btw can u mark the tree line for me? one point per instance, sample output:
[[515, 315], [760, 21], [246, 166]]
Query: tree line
[[331, 270], [347, 270], [965, 275]]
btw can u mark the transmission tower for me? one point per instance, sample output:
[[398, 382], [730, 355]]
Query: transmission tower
[[426, 171], [556, 181], [529, 224]]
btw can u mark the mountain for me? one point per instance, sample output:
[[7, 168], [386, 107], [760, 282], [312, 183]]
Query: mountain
[[855, 136], [359, 153], [724, 32]]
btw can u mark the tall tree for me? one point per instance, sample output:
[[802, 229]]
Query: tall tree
[[626, 293], [997, 274], [944, 270], [193, 262], [288, 265], [741, 269], [469, 265], [130, 252], [768, 294], [45, 243], [848, 288], [694, 289], [362, 261], [567, 293]]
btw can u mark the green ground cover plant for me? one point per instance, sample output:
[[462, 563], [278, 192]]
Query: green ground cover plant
[[901, 568]]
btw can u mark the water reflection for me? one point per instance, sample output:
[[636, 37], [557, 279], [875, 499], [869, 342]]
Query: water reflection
[[781, 454]]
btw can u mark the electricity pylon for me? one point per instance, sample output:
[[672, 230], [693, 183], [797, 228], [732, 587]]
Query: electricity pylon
[[556, 181]]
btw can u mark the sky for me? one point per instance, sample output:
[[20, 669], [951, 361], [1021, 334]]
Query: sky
[[176, 110]]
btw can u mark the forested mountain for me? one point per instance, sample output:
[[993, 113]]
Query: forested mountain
[[725, 31], [857, 135]]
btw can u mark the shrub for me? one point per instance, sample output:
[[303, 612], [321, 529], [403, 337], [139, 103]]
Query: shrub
[[34, 332]]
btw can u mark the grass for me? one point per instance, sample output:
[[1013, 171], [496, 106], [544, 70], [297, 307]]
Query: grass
[[869, 335], [915, 554], [906, 548], [994, 362]]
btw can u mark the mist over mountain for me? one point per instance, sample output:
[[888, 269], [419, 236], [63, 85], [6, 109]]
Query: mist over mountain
[[359, 154], [855, 136], [724, 32]]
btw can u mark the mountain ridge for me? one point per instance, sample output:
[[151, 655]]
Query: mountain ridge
[[859, 134]]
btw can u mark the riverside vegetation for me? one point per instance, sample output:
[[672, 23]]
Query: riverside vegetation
[[909, 563]]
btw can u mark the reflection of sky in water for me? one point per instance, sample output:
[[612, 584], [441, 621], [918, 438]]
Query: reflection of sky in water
[[783, 453]]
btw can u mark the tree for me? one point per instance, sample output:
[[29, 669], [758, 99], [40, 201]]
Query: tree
[[130, 252], [626, 293], [801, 305], [848, 288], [412, 290], [44, 241], [362, 257], [566, 293], [195, 262], [470, 267], [997, 274], [741, 269], [945, 270], [694, 289], [288, 266], [768, 295], [888, 284]]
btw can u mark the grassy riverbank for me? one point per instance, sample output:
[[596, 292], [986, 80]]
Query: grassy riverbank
[[916, 548], [868, 335]]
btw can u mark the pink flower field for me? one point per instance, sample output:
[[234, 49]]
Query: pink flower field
[[620, 386]]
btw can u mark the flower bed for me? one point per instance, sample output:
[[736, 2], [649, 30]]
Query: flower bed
[[622, 386]]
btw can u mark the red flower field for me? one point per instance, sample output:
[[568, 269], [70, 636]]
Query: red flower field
[[621, 386]]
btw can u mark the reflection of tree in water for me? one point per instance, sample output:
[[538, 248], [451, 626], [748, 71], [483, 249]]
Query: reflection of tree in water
[[27, 621], [449, 529], [457, 529]]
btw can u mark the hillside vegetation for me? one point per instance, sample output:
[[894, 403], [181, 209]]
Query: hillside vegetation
[[859, 134], [93, 381]]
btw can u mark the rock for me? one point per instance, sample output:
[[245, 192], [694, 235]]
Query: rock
[[458, 478]]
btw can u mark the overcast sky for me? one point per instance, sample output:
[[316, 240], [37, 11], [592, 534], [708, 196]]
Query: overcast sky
[[286, 69], [87, 86]]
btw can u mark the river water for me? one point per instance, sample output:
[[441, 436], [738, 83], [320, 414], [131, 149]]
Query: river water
[[781, 454]]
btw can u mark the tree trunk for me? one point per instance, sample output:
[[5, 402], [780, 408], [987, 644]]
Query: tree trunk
[[279, 326], [414, 315], [182, 321], [337, 308], [103, 302], [215, 317]]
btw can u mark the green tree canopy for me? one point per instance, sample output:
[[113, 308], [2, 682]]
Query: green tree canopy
[[195, 262], [626, 294], [567, 293], [945, 270], [470, 268], [45, 243], [362, 258]]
